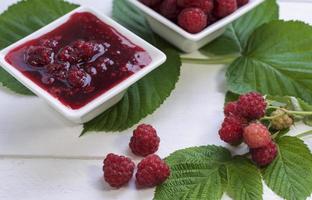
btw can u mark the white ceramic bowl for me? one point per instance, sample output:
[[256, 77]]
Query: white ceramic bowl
[[104, 101], [184, 40]]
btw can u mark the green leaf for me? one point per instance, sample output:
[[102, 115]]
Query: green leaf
[[23, 19], [230, 96], [144, 97], [290, 174], [236, 35], [244, 179], [275, 62]]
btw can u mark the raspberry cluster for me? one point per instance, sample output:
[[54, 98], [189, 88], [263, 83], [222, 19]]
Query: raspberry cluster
[[194, 15], [151, 171], [240, 125]]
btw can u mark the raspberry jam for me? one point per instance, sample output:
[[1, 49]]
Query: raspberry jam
[[79, 60]]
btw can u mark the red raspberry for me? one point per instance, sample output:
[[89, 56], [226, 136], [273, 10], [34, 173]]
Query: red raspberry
[[264, 155], [232, 129], [242, 2], [169, 9], [118, 170], [68, 54], [192, 20], [150, 3], [252, 105], [225, 7], [231, 109], [57, 71], [152, 171], [39, 56], [205, 5], [144, 140], [85, 50], [78, 78], [256, 135]]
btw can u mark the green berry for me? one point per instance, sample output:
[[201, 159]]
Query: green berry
[[281, 120]]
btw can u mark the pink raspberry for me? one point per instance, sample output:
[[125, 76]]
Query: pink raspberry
[[256, 135], [169, 9], [232, 129], [224, 8], [152, 171], [150, 3], [205, 5], [118, 170], [252, 105], [264, 155], [242, 2], [39, 56], [231, 109], [144, 140], [192, 20]]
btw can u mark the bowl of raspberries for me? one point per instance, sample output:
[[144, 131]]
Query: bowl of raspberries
[[191, 24]]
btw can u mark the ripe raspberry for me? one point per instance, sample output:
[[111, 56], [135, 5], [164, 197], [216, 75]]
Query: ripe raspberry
[[232, 129], [281, 120], [85, 50], [205, 5], [242, 2], [78, 78], [150, 3], [144, 140], [118, 170], [39, 56], [68, 54], [225, 7], [169, 9], [231, 109], [251, 105], [192, 20], [152, 171], [264, 155], [256, 135]]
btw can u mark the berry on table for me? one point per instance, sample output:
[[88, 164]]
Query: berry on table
[[39, 56], [224, 8], [150, 3], [144, 140], [281, 120], [192, 20], [118, 170], [231, 109], [232, 129], [264, 155], [252, 105], [205, 5], [242, 2], [256, 135], [152, 171], [169, 9]]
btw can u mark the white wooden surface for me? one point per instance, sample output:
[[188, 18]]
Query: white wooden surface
[[41, 156]]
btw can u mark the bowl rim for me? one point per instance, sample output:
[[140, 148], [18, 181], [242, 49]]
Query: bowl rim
[[208, 30], [158, 58]]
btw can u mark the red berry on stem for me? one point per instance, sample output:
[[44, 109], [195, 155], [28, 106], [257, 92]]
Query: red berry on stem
[[144, 140], [169, 9], [256, 135], [224, 8], [231, 109], [192, 20], [264, 155], [232, 129], [118, 170], [152, 171], [252, 105], [205, 5]]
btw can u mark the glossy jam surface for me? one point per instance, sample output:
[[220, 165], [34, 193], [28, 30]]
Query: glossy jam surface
[[79, 60]]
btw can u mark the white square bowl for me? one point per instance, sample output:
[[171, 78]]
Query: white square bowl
[[104, 101], [184, 40]]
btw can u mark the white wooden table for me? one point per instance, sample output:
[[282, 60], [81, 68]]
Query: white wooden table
[[42, 158]]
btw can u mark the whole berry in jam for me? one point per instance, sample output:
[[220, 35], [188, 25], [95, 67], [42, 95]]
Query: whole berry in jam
[[252, 105], [144, 140], [39, 56], [68, 54], [152, 171], [256, 135], [86, 50], [58, 70], [242, 2], [224, 8], [231, 109], [205, 5], [169, 9], [150, 3], [264, 155], [78, 78], [50, 43], [192, 20], [232, 129], [118, 170]]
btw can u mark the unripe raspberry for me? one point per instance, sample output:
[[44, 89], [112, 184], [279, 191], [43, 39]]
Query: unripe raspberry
[[281, 120]]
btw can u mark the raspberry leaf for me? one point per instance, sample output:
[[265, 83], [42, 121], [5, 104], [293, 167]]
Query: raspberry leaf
[[290, 174], [236, 35], [23, 19]]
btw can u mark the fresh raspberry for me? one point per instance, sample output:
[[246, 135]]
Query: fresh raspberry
[[264, 155], [144, 140], [152, 171], [232, 129], [242, 2], [39, 56], [231, 109], [281, 120], [169, 9], [150, 3], [256, 135], [118, 170], [225, 7], [192, 20], [78, 78], [205, 5], [252, 105]]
